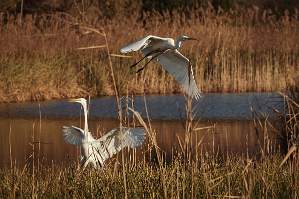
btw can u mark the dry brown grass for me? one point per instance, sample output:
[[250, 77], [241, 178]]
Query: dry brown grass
[[234, 178], [237, 52]]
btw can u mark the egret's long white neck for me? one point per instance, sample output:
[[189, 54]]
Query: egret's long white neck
[[85, 111]]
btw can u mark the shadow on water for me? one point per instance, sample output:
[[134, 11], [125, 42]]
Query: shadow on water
[[32, 127]]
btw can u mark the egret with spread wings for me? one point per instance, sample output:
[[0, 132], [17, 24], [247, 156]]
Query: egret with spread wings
[[165, 51], [97, 151]]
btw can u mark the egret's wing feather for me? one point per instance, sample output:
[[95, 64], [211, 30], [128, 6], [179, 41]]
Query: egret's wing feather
[[115, 140], [131, 137], [73, 135], [178, 66], [140, 44]]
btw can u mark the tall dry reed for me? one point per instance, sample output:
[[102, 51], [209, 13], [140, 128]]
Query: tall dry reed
[[237, 52]]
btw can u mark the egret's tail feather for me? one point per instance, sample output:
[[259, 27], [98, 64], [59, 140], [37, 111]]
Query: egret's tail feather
[[193, 92]]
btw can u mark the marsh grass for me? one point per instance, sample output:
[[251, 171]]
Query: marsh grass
[[248, 50], [233, 177]]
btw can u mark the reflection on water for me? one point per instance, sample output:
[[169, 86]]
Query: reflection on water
[[20, 137], [32, 127]]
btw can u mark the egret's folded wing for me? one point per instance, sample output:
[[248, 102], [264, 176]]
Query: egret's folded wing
[[73, 135], [178, 66], [115, 140], [140, 44]]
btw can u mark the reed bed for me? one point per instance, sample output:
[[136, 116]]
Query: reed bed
[[238, 51], [208, 177]]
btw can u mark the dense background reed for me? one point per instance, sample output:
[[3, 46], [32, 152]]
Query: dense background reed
[[244, 49]]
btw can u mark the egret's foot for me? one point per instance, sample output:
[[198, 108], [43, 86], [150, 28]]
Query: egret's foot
[[134, 65], [140, 69]]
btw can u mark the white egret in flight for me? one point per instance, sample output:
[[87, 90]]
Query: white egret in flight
[[165, 51], [97, 151]]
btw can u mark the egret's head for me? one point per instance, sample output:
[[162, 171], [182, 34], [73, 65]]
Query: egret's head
[[81, 101], [185, 38]]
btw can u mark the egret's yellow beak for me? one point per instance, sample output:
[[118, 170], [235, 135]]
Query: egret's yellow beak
[[73, 100], [190, 38]]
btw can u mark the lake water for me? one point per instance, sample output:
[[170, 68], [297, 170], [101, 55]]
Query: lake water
[[35, 128]]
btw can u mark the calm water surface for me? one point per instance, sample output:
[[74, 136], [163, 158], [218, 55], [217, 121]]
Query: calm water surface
[[36, 127]]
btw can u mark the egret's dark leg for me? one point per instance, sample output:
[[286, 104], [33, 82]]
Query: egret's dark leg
[[135, 64], [148, 54], [140, 69], [160, 53]]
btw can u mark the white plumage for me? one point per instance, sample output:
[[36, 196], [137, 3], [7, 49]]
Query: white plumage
[[97, 151], [165, 51], [73, 135]]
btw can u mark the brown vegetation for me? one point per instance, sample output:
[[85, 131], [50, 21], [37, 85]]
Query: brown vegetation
[[234, 178], [237, 51]]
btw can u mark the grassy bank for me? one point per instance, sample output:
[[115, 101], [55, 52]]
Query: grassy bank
[[205, 178], [237, 52]]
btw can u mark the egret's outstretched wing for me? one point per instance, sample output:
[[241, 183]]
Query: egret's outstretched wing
[[142, 43], [179, 66], [73, 135], [115, 140]]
